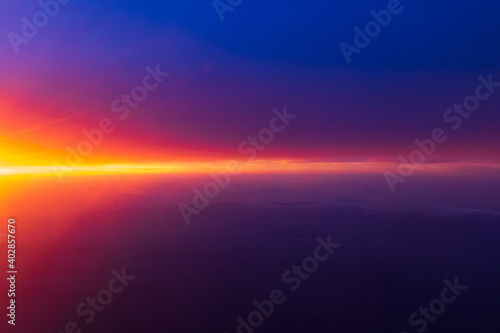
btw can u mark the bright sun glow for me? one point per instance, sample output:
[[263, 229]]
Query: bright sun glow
[[258, 166]]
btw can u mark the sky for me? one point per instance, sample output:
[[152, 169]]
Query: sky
[[226, 77], [209, 83]]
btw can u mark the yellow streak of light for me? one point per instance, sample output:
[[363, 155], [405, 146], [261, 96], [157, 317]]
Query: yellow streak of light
[[261, 166], [257, 166]]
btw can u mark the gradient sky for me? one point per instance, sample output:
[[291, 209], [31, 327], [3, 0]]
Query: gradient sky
[[226, 77]]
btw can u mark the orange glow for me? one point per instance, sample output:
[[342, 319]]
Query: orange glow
[[257, 166]]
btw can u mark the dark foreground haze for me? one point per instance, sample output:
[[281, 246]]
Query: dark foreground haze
[[394, 252]]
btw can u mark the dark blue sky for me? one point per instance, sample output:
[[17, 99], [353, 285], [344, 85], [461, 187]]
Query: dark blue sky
[[442, 35]]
